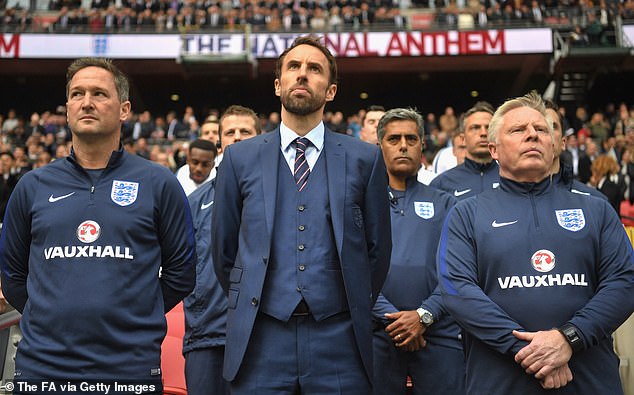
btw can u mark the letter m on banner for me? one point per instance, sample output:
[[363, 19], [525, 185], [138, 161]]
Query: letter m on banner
[[9, 45]]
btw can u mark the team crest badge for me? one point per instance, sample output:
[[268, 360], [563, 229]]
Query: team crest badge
[[425, 210], [572, 220], [124, 193]]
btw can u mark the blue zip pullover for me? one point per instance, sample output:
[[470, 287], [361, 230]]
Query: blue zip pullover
[[533, 257], [80, 259]]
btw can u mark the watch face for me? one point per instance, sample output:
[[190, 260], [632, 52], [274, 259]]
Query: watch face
[[427, 319]]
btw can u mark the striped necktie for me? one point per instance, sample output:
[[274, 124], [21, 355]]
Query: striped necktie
[[301, 171]]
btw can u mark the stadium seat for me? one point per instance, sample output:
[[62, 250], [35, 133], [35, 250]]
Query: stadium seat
[[172, 361], [627, 213]]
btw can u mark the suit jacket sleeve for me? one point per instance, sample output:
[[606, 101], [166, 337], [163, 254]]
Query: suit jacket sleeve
[[378, 232], [225, 224]]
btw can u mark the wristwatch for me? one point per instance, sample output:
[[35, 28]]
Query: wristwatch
[[572, 337], [425, 316]]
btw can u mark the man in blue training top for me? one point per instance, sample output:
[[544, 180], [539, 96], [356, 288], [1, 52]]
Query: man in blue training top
[[83, 242], [413, 334], [538, 276], [479, 172]]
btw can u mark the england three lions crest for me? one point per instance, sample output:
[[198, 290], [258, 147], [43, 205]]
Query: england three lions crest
[[124, 193], [572, 219], [425, 210]]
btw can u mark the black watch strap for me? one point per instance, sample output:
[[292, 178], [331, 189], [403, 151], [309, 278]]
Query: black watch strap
[[572, 337]]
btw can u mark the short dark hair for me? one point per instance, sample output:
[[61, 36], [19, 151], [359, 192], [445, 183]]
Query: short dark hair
[[120, 79], [481, 106], [371, 108], [7, 153], [401, 114], [553, 106], [204, 145], [313, 41]]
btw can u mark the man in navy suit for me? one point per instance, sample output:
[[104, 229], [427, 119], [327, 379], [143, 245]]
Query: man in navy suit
[[301, 243]]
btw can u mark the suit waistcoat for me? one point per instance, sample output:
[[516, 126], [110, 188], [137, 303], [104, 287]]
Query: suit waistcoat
[[304, 262]]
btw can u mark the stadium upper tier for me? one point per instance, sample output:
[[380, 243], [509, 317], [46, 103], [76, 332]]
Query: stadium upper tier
[[173, 16]]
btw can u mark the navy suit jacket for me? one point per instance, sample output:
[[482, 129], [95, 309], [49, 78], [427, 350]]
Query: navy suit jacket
[[242, 231]]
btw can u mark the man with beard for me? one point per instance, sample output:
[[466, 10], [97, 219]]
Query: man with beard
[[301, 243]]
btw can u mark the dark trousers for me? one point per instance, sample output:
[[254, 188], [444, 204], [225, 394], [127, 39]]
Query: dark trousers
[[302, 356], [434, 369], [203, 372]]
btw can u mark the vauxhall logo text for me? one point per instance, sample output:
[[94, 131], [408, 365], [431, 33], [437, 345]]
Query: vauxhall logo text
[[88, 252], [546, 280], [543, 261], [88, 232]]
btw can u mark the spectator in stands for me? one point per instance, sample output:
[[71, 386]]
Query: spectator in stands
[[215, 19], [594, 30], [625, 120], [369, 123], [627, 171], [482, 16], [536, 13], [175, 129], [448, 121], [61, 151], [578, 37], [141, 148], [43, 159], [34, 126], [578, 158], [479, 172], [599, 127], [337, 123], [336, 21], [10, 122], [319, 21], [7, 182], [272, 122], [607, 179]]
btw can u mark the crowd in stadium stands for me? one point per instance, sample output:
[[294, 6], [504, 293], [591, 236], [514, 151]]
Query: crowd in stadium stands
[[317, 15], [600, 143]]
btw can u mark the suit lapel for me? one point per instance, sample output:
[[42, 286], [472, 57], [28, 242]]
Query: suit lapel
[[335, 171], [269, 160]]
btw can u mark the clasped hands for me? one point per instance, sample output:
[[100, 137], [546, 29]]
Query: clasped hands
[[546, 357]]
